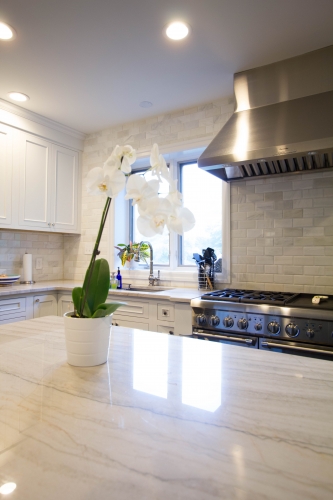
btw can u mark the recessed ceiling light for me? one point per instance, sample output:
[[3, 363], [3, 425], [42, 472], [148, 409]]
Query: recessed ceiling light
[[18, 96], [6, 32], [146, 104], [177, 30]]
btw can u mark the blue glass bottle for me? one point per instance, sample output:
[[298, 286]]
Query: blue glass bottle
[[120, 279]]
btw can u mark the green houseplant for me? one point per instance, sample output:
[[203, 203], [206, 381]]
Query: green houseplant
[[128, 252]]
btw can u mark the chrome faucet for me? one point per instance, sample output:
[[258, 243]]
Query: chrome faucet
[[152, 279]]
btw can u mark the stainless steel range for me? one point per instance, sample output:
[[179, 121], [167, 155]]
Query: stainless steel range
[[285, 322]]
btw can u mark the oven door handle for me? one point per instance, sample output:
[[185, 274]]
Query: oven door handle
[[224, 337], [297, 348]]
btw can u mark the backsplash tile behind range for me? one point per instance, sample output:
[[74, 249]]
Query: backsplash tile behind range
[[13, 244], [282, 233]]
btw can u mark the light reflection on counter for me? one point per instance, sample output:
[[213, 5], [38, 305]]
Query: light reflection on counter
[[150, 363], [202, 365]]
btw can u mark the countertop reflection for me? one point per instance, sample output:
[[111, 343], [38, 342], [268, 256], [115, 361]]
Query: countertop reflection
[[166, 417]]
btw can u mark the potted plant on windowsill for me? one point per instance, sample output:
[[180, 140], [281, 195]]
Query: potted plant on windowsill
[[127, 253], [87, 328]]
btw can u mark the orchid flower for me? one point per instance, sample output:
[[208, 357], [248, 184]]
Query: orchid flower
[[108, 180], [155, 217], [139, 190], [174, 196], [158, 164], [122, 157], [181, 220]]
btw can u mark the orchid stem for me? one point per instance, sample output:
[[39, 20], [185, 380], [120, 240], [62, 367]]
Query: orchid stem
[[94, 255]]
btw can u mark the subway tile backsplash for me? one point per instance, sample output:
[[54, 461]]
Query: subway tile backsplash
[[282, 233], [50, 247]]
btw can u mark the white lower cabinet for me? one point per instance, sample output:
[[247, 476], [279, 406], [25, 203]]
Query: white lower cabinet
[[65, 304], [154, 315], [45, 305]]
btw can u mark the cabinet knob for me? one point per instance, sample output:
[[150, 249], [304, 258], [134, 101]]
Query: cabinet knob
[[53, 224], [37, 300], [49, 224]]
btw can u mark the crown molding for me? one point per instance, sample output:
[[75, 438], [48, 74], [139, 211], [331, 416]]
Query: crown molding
[[41, 120]]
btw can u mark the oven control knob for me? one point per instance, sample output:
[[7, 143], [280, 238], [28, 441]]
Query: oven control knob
[[292, 330], [273, 327], [310, 333], [228, 322], [201, 319], [214, 320], [242, 323], [258, 327]]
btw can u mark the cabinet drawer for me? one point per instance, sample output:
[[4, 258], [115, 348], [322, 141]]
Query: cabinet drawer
[[134, 308], [130, 324], [165, 329], [166, 312], [11, 306]]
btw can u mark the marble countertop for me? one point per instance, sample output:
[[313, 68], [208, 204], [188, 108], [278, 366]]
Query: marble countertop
[[165, 418], [174, 294]]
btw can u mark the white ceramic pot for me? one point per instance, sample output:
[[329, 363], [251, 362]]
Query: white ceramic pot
[[87, 340]]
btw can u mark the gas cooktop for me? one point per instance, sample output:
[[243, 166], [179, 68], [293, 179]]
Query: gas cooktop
[[251, 296], [303, 300]]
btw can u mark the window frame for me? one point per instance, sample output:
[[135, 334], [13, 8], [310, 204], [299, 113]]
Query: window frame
[[176, 271]]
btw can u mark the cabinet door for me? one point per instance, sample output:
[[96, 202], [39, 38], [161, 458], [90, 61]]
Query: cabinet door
[[64, 199], [45, 305], [5, 175], [35, 182], [65, 304]]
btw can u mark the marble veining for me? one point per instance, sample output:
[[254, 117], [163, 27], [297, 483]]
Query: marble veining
[[166, 418]]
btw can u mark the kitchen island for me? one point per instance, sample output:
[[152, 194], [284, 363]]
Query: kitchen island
[[165, 418]]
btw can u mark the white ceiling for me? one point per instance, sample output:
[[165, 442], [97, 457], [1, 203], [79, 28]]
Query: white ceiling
[[89, 63]]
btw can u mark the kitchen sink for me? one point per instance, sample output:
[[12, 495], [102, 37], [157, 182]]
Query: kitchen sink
[[145, 288]]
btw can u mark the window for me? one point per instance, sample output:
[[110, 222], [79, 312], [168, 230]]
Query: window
[[208, 198], [202, 194]]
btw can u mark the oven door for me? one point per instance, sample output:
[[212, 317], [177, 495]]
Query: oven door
[[226, 338], [302, 349]]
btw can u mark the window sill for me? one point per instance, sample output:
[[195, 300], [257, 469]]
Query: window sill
[[179, 274]]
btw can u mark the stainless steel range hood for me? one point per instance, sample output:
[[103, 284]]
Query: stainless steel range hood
[[283, 121]]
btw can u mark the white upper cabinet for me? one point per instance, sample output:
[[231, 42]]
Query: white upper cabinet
[[5, 175], [49, 186], [35, 182], [65, 175]]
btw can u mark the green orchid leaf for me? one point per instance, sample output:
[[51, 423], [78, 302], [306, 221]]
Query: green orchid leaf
[[76, 296], [98, 288], [107, 309]]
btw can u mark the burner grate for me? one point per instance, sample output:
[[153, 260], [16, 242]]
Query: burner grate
[[251, 296]]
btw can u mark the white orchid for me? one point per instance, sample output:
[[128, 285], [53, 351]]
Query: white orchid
[[139, 190], [181, 220], [122, 157], [158, 164], [108, 180], [155, 217], [155, 213], [174, 196]]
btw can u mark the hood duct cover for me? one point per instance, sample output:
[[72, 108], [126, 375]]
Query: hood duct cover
[[283, 121]]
